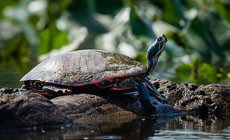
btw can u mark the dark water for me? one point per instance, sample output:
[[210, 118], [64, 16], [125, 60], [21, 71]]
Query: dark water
[[182, 127], [9, 78]]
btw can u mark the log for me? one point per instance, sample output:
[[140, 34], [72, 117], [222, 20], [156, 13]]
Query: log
[[29, 109], [199, 100], [20, 109]]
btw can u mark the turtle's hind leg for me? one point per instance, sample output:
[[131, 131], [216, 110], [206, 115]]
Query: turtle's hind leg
[[153, 92], [144, 97]]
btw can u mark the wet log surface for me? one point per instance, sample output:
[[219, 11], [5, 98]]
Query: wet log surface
[[30, 109]]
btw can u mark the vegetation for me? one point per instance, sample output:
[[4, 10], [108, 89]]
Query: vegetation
[[198, 32]]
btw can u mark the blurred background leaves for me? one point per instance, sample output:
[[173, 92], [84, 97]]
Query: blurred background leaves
[[198, 32]]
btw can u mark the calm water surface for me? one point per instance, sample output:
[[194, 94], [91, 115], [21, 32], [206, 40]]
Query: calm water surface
[[9, 78], [182, 127]]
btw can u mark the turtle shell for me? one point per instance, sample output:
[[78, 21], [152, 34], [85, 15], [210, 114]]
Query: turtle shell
[[84, 67]]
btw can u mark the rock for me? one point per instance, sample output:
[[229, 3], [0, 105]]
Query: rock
[[203, 100], [26, 109]]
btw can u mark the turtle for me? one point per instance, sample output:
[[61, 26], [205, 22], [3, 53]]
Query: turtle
[[92, 69]]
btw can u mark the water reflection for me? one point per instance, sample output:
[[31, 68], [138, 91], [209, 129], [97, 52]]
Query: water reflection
[[9, 78], [182, 127], [189, 127]]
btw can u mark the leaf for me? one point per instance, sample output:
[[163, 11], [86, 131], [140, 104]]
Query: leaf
[[140, 26], [108, 6], [171, 11], [51, 38], [222, 8], [63, 4], [183, 71], [209, 73], [141, 58]]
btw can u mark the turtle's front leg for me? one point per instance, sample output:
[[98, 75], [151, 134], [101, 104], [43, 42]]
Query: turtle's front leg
[[145, 100], [153, 92], [23, 86]]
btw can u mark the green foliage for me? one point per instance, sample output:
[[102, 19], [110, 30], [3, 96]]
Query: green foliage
[[6, 4], [139, 26], [27, 33], [200, 72], [112, 6], [198, 32], [19, 53], [171, 11], [208, 38], [141, 58], [222, 7], [51, 38]]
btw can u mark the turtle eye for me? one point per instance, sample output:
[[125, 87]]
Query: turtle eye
[[159, 39]]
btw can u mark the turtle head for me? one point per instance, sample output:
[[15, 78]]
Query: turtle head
[[154, 52]]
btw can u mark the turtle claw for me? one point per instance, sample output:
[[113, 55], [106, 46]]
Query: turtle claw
[[160, 99], [153, 92]]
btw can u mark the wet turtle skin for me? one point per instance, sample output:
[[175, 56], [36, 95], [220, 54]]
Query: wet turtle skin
[[83, 68]]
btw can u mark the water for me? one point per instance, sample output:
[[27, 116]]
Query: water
[[9, 78], [182, 127]]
